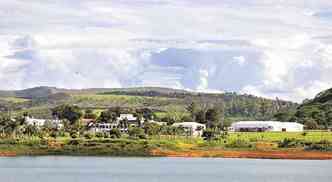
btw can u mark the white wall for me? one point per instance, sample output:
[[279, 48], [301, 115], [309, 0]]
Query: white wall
[[268, 126]]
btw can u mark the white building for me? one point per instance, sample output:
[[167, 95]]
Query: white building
[[36, 122], [129, 117], [193, 128], [261, 126], [103, 127], [41, 122], [132, 120], [158, 122]]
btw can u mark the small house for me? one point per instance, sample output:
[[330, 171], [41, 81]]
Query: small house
[[56, 123], [127, 120]]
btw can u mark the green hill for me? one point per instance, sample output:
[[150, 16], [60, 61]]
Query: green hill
[[324, 97], [317, 110], [39, 100]]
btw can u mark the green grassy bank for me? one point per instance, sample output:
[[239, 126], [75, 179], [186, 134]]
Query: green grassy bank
[[310, 141]]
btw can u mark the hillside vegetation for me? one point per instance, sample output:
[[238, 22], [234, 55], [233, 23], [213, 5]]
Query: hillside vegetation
[[315, 113], [37, 101]]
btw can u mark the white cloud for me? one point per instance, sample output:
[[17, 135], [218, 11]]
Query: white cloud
[[269, 48], [241, 60]]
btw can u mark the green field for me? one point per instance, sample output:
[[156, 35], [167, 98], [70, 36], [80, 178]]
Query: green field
[[126, 146], [105, 100], [14, 100], [313, 136]]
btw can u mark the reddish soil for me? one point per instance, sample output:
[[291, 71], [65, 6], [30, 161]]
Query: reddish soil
[[295, 154], [7, 154]]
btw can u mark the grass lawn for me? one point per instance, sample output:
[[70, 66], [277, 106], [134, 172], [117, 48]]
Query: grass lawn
[[106, 100], [15, 100], [311, 136]]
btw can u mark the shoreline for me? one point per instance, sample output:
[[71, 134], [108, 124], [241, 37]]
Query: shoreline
[[236, 154], [246, 154]]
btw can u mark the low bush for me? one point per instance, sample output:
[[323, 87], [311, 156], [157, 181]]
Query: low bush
[[99, 134], [107, 135], [54, 134], [115, 133], [136, 133], [290, 143], [239, 143], [323, 145], [88, 135], [74, 134], [75, 142]]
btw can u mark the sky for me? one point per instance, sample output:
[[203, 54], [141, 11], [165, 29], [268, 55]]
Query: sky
[[269, 48]]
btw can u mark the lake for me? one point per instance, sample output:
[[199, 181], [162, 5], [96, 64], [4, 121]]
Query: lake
[[100, 169]]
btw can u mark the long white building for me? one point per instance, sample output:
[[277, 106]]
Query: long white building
[[261, 126]]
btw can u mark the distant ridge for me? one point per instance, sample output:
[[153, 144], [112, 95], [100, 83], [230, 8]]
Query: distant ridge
[[39, 100], [45, 91]]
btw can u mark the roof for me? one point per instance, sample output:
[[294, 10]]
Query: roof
[[87, 121], [129, 117], [188, 124], [264, 123]]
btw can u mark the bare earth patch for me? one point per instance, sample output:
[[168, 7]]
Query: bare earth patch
[[295, 154]]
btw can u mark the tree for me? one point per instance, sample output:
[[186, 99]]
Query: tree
[[319, 116], [115, 133], [329, 118], [135, 132], [107, 117], [174, 114], [283, 116], [151, 129], [71, 113], [311, 124], [192, 108], [124, 123], [140, 119], [169, 120], [48, 126], [31, 130], [209, 134], [187, 119], [11, 126], [89, 114], [201, 116], [145, 113], [213, 117], [263, 109]]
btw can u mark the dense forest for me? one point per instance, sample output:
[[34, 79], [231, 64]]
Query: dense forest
[[315, 113]]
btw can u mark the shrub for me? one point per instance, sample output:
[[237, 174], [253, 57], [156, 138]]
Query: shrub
[[311, 124], [74, 134], [107, 135], [99, 134], [323, 145], [54, 134], [66, 134], [115, 133], [239, 143], [88, 135], [290, 143], [75, 142], [136, 133], [209, 134]]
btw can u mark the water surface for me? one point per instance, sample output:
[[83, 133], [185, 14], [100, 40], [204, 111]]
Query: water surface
[[99, 169]]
